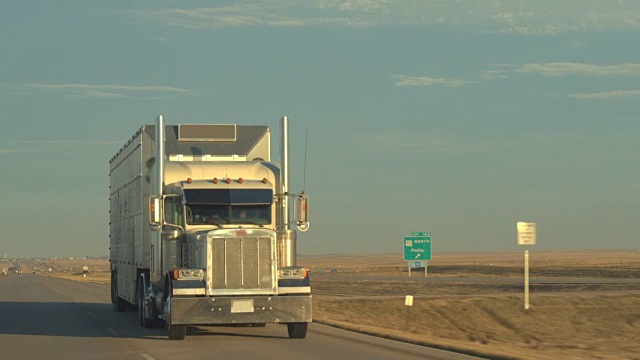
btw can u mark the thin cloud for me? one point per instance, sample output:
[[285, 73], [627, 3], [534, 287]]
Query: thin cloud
[[421, 143], [606, 95], [496, 74], [553, 137], [223, 17], [579, 43], [406, 80], [355, 5], [565, 69], [562, 69], [449, 143], [541, 17], [10, 151], [504, 71], [106, 91], [11, 146]]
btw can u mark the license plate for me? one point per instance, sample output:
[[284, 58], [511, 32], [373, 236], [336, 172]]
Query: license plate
[[242, 306]]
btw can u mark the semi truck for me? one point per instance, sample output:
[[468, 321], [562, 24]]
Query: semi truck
[[202, 229]]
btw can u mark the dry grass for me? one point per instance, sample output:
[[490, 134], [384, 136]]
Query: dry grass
[[554, 327], [72, 269], [565, 321]]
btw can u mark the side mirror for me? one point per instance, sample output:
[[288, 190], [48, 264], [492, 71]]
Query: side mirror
[[155, 210], [301, 211]]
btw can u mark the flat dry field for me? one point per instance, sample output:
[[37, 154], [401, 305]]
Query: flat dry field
[[463, 307]]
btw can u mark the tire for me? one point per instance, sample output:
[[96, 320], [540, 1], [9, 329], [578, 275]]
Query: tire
[[297, 330], [119, 304], [174, 332], [146, 317], [140, 300]]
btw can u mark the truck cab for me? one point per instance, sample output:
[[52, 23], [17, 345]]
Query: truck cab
[[217, 247]]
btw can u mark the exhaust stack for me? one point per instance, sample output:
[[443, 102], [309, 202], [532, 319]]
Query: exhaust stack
[[284, 157], [159, 155], [286, 237]]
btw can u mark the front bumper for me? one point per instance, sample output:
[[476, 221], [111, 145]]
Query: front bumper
[[217, 310]]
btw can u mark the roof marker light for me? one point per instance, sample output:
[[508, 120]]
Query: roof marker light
[[189, 181], [264, 180], [215, 180], [228, 180], [241, 180]]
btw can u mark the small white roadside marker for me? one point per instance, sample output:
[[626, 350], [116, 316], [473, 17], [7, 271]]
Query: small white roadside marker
[[408, 301]]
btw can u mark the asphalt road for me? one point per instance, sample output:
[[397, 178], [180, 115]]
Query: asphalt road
[[50, 318]]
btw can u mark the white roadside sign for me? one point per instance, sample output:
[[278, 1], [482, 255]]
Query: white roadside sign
[[526, 233]]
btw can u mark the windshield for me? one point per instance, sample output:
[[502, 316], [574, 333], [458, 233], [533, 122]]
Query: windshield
[[228, 214], [228, 196]]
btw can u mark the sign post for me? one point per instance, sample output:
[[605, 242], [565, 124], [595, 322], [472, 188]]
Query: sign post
[[417, 264], [526, 236], [417, 248]]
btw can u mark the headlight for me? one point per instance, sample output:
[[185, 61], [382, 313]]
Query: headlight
[[188, 274]]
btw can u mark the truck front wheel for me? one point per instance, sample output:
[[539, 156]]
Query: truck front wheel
[[146, 314], [297, 330], [175, 332]]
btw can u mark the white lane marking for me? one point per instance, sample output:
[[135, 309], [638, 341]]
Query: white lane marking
[[113, 332], [147, 356]]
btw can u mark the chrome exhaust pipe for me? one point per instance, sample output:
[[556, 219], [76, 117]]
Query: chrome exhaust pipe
[[286, 238], [159, 155], [284, 157]]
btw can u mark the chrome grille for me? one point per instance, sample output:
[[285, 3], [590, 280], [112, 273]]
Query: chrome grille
[[242, 263]]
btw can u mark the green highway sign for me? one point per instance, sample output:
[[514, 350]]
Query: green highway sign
[[426, 233], [417, 247]]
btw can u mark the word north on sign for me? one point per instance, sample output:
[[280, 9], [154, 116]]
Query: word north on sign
[[417, 247]]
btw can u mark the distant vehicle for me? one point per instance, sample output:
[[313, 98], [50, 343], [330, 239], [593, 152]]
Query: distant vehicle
[[200, 230]]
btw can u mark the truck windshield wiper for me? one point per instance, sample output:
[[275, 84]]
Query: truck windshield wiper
[[251, 223]]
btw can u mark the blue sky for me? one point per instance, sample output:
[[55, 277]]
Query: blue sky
[[455, 117]]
